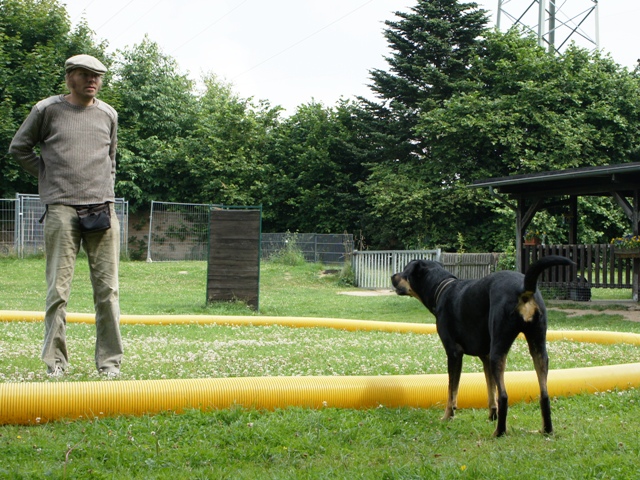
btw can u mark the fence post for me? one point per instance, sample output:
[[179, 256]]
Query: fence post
[[16, 227], [149, 240]]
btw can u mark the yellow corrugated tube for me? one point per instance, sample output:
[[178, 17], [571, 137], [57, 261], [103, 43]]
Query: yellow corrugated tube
[[32, 403]]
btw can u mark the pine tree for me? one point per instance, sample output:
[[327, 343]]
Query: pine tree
[[432, 47]]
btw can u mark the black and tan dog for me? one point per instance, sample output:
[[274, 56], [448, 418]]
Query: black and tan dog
[[483, 318]]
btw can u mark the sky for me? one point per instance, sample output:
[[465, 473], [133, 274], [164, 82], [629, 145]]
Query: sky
[[292, 52]]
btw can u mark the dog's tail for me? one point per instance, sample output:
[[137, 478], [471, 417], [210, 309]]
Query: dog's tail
[[534, 271], [527, 305]]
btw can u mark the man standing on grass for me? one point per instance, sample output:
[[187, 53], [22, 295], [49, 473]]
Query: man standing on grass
[[77, 138]]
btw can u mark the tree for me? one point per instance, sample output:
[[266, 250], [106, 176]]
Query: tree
[[433, 47], [316, 156], [534, 111], [35, 41], [513, 108], [156, 110], [224, 154]]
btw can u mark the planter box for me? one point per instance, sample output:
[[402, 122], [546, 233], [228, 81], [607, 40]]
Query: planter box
[[627, 252]]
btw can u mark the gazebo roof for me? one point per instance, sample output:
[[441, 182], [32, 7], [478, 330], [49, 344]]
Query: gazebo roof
[[596, 181]]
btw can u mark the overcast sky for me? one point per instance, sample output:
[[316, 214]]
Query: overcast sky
[[293, 51]]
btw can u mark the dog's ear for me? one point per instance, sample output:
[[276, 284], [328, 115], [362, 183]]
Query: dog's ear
[[419, 268]]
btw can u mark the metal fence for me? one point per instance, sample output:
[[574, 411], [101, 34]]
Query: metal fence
[[29, 232], [21, 232], [373, 269], [328, 249], [7, 226], [178, 231]]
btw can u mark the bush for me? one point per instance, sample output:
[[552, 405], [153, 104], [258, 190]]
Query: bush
[[347, 275], [507, 260], [290, 254]]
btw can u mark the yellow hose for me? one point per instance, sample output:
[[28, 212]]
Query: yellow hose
[[304, 322], [31, 403]]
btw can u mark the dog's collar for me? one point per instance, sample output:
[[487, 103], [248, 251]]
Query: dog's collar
[[443, 285]]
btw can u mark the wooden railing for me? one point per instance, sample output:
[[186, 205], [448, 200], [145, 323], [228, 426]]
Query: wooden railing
[[468, 266], [596, 266]]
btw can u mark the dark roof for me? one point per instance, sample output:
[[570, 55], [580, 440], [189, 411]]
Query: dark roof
[[600, 181]]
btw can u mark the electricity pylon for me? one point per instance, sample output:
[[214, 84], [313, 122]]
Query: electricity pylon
[[556, 23]]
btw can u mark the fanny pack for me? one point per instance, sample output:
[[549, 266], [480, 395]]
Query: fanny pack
[[94, 218]]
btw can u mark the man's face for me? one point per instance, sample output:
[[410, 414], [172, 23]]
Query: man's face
[[84, 83]]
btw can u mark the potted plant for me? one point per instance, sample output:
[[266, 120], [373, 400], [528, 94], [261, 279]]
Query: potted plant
[[627, 246], [532, 237]]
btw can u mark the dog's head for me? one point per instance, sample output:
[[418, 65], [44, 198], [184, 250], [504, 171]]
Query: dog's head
[[420, 279]]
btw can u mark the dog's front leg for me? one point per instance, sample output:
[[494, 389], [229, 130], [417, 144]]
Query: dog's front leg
[[491, 388], [454, 367]]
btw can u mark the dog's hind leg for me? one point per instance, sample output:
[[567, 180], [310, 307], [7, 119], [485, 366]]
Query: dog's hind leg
[[491, 388], [498, 366], [454, 367], [538, 350]]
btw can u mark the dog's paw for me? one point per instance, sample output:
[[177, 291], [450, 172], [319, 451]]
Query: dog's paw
[[498, 434], [493, 414], [449, 413]]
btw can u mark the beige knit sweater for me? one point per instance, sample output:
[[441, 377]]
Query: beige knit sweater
[[77, 161]]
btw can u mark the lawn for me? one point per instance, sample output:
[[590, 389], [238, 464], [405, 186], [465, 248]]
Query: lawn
[[596, 435]]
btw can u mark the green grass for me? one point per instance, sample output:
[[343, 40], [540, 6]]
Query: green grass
[[596, 435]]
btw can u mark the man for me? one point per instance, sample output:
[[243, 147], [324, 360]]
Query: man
[[77, 138]]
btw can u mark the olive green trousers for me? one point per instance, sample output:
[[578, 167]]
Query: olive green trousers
[[63, 239]]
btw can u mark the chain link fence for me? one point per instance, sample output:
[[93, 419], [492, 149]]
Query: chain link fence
[[22, 233]]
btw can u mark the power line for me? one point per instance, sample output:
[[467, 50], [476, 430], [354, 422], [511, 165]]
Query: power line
[[209, 26], [303, 39], [83, 10], [139, 18], [114, 15]]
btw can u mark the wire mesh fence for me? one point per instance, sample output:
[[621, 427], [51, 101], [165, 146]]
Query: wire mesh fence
[[7, 226], [178, 231], [29, 230], [329, 249], [22, 233]]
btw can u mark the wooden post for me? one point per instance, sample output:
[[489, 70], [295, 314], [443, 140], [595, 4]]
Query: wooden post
[[635, 222], [234, 256]]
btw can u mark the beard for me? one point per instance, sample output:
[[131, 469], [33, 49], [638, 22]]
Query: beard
[[78, 86]]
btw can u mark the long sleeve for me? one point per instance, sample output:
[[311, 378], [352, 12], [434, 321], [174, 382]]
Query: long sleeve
[[24, 141], [77, 162]]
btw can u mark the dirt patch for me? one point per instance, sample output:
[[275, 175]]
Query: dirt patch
[[367, 293], [631, 314]]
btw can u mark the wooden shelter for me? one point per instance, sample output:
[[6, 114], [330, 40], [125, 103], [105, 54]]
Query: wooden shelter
[[560, 190]]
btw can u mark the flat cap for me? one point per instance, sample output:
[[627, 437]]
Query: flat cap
[[85, 61]]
